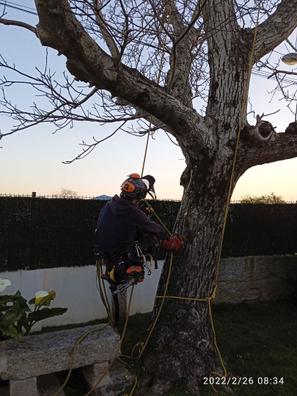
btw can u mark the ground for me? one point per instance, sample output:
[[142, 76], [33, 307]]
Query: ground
[[257, 340]]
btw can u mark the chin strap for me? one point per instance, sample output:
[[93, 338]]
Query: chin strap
[[152, 194]]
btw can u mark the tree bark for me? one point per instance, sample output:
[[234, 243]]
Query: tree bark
[[183, 341]]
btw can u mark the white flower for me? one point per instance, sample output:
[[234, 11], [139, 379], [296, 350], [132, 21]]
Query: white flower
[[39, 296], [4, 283]]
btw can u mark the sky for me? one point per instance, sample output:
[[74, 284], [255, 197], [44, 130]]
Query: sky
[[32, 160]]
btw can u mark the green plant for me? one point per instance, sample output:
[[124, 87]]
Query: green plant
[[262, 199], [18, 316]]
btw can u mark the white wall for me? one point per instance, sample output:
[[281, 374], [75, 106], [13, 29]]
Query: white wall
[[241, 279], [76, 290]]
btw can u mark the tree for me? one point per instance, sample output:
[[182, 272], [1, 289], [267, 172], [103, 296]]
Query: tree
[[149, 62], [66, 193], [262, 199]]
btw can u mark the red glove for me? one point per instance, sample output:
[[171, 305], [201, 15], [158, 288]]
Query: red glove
[[173, 244]]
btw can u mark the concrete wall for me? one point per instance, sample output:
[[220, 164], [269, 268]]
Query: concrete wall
[[241, 279], [257, 278], [75, 287]]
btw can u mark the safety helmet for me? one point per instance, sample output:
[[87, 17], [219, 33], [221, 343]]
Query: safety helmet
[[137, 187]]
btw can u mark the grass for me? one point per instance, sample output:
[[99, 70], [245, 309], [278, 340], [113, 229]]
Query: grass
[[256, 340]]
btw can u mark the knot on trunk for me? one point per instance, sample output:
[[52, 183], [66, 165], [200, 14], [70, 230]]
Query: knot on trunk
[[260, 133], [292, 128]]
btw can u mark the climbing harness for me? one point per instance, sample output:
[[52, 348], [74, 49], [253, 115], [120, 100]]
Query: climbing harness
[[125, 271]]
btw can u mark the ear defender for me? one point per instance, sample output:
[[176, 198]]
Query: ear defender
[[128, 187]]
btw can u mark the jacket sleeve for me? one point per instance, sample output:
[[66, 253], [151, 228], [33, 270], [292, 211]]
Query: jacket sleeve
[[145, 225]]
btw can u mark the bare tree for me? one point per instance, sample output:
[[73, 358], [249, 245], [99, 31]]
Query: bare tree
[[66, 193], [146, 63]]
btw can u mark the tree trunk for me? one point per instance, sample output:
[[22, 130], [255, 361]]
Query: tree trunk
[[182, 345], [183, 341]]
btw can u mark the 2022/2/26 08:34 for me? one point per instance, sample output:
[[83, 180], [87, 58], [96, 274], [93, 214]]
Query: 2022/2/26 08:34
[[243, 380]]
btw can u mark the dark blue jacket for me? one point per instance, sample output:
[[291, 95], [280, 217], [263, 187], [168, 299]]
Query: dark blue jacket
[[120, 223]]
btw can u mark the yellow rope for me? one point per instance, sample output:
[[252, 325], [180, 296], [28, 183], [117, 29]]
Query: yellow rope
[[243, 109], [158, 217], [81, 338], [142, 345], [102, 290], [107, 369], [240, 126], [160, 308], [72, 353], [206, 299], [134, 387]]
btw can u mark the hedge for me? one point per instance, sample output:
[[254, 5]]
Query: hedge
[[40, 232]]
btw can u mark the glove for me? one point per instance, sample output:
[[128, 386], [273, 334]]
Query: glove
[[174, 244]]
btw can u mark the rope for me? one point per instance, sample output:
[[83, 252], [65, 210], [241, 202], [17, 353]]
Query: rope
[[245, 89], [158, 217], [107, 368], [150, 124], [232, 177], [102, 290], [144, 345], [145, 151], [72, 353], [206, 299]]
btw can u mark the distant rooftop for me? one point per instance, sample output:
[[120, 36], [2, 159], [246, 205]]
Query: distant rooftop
[[103, 197]]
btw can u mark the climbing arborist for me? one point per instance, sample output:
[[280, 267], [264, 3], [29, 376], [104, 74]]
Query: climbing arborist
[[122, 227]]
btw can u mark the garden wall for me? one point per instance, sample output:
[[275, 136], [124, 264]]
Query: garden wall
[[48, 244], [241, 279]]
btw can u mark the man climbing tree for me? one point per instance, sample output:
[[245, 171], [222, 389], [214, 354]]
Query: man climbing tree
[[154, 60], [124, 233]]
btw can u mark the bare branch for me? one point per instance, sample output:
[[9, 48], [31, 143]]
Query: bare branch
[[276, 28], [89, 147], [196, 15], [181, 58], [88, 62], [282, 72], [105, 32], [283, 146], [21, 24], [291, 45]]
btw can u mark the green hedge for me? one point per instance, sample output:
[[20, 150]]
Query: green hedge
[[261, 229], [40, 232]]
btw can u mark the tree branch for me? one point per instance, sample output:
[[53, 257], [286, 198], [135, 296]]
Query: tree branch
[[87, 148], [181, 58], [281, 147], [11, 22], [59, 29], [220, 20], [276, 28], [104, 30]]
